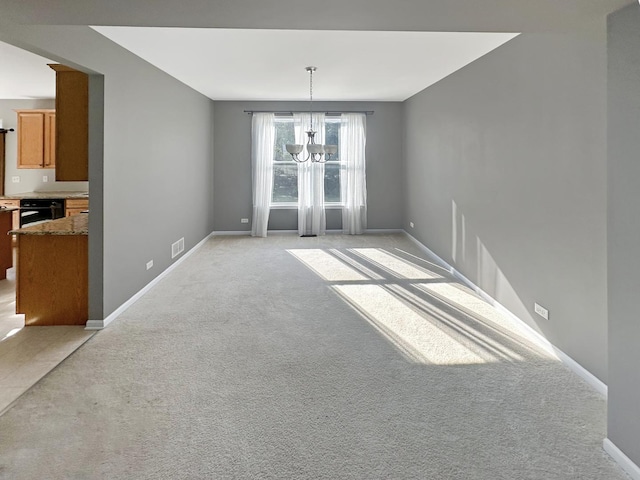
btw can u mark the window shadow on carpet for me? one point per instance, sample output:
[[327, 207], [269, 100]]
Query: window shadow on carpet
[[420, 308]]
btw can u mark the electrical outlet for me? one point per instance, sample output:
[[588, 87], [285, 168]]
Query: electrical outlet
[[540, 310], [45, 178], [15, 179], [149, 264], [411, 224], [244, 220]]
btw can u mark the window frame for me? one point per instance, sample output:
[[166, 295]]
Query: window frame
[[341, 166]]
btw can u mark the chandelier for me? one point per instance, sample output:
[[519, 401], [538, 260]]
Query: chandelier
[[315, 152]]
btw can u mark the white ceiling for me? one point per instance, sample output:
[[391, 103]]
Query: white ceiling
[[253, 64], [24, 75]]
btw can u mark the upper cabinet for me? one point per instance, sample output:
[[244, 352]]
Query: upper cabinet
[[50, 139], [36, 138], [71, 124]]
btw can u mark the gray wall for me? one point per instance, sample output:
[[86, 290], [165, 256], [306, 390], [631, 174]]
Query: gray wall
[[506, 180], [155, 164], [232, 185], [624, 230], [30, 179]]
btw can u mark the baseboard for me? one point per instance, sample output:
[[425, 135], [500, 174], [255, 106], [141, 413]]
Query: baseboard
[[224, 233], [384, 230], [578, 369], [621, 459], [100, 324]]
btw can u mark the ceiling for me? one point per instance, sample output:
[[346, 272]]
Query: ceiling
[[258, 64], [222, 47], [25, 75]]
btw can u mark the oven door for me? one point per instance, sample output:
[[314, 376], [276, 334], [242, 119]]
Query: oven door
[[40, 210]]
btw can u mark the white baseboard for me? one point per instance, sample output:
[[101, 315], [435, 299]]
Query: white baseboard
[[100, 324], [384, 230], [621, 459], [578, 369], [225, 233]]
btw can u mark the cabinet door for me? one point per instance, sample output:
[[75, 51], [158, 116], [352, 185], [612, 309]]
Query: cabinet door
[[50, 140], [30, 139], [16, 213], [6, 252], [73, 206], [72, 124]]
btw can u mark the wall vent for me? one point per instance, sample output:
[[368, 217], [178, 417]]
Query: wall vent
[[177, 248]]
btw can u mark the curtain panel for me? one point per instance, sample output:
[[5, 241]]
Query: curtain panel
[[353, 182], [311, 214], [262, 147]]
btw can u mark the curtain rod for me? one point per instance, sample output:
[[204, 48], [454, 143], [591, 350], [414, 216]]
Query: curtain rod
[[366, 112]]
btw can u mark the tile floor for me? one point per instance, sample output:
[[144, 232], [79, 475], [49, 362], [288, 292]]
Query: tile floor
[[28, 354]]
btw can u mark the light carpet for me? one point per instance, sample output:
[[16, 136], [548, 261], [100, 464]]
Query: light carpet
[[308, 358]]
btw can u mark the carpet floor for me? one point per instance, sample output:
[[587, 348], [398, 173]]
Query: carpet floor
[[308, 358]]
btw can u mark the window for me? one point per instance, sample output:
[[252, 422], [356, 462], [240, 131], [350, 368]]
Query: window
[[276, 177], [332, 168], [285, 169]]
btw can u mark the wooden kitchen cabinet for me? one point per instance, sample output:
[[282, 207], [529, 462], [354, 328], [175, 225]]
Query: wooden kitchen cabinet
[[72, 124], [73, 206], [15, 214], [6, 250], [52, 279], [50, 139], [36, 138], [52, 272]]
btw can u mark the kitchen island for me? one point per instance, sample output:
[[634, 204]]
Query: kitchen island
[[52, 271]]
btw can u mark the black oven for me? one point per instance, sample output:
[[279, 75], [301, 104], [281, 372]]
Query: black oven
[[40, 210]]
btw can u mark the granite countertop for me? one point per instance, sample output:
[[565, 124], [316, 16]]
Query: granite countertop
[[45, 195], [73, 225], [8, 209]]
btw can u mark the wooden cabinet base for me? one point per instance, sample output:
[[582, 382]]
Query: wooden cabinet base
[[6, 253], [52, 279]]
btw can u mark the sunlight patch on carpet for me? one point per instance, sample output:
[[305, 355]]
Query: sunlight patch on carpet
[[327, 266], [394, 264], [420, 339], [488, 314]]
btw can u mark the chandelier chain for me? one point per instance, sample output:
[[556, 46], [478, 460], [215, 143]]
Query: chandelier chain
[[311, 97]]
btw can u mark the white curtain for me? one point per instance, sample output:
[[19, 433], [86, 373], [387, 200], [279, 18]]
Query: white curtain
[[311, 216], [262, 146], [353, 184]]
